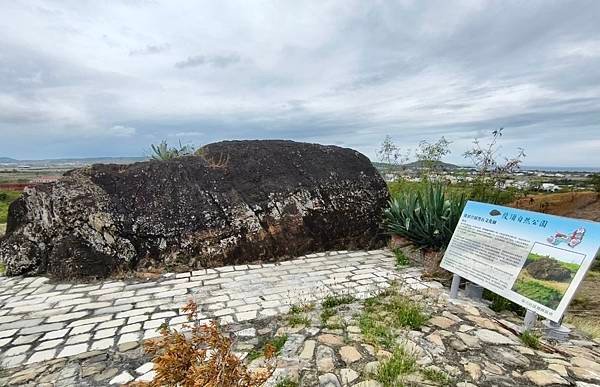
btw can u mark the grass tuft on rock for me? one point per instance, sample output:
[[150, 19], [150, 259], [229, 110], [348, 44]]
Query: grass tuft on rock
[[287, 382], [332, 301], [437, 376], [530, 339], [391, 371], [276, 342]]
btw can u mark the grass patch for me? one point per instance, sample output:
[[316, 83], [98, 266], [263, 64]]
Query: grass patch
[[297, 314], [302, 308], [295, 320], [437, 376], [2, 268], [276, 342], [386, 312], [332, 301], [391, 371], [375, 332], [401, 259], [588, 325], [287, 382], [530, 339]]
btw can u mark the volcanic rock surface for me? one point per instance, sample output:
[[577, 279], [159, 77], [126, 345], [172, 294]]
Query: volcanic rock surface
[[237, 202]]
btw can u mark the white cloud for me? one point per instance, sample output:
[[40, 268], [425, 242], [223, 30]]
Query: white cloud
[[346, 72]]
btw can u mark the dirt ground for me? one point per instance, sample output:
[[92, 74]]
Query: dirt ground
[[583, 205]]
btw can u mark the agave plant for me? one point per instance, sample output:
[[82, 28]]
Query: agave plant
[[163, 152], [427, 217]]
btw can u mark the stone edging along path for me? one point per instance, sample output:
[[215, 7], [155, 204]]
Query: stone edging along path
[[41, 321]]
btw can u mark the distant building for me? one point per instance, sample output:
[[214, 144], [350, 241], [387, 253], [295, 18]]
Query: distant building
[[549, 187]]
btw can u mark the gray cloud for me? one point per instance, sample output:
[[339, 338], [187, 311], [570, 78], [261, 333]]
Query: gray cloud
[[150, 49], [219, 61], [86, 78]]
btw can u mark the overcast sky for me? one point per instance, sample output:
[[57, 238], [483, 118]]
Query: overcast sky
[[107, 78]]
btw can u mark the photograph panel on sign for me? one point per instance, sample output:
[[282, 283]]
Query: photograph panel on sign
[[547, 274]]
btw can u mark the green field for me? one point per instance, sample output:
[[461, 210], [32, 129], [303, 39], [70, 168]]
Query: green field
[[6, 197]]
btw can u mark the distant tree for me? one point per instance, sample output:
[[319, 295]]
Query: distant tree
[[390, 153], [163, 151], [430, 155], [490, 169]]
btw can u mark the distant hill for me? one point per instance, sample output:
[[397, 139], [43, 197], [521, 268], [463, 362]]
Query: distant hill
[[71, 162], [415, 165]]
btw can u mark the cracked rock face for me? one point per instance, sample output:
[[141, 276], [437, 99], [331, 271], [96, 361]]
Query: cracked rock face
[[239, 202]]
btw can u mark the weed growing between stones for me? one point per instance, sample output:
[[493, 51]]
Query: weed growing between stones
[[401, 363], [530, 339], [331, 301], [401, 259], [273, 346], [297, 314], [437, 376], [203, 358], [330, 304], [287, 382], [396, 310]]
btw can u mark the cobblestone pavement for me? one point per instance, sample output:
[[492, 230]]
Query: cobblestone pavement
[[41, 320]]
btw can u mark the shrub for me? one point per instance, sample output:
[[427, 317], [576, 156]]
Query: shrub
[[428, 217], [205, 358]]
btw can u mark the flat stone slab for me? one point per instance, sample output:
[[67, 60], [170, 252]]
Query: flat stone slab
[[41, 320]]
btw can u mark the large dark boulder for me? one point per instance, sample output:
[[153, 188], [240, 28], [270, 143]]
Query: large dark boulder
[[548, 269], [237, 202]]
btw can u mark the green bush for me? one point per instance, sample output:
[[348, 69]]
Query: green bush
[[427, 217]]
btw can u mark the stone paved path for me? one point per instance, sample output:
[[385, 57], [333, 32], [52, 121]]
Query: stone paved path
[[41, 320]]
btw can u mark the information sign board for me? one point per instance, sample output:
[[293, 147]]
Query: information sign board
[[533, 259]]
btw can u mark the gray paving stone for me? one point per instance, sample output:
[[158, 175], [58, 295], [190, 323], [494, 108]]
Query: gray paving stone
[[72, 350], [49, 344], [40, 356], [56, 334], [42, 328], [66, 317]]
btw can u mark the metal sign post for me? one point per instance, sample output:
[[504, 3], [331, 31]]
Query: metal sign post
[[529, 320], [454, 286]]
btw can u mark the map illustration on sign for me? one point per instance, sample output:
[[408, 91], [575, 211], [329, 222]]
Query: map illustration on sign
[[535, 260]]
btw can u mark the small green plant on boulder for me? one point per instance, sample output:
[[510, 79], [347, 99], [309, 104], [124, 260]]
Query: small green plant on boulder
[[164, 152]]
